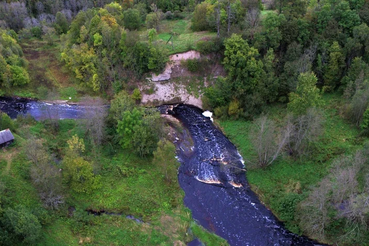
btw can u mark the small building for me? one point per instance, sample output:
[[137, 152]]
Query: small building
[[6, 138]]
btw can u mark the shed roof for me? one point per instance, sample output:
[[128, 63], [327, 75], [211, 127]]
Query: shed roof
[[6, 136]]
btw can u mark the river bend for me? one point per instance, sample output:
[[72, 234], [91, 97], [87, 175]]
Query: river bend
[[212, 176]]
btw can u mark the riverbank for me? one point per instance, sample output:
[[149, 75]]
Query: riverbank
[[129, 185], [286, 183]]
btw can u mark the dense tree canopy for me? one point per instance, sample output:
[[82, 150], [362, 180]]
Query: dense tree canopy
[[12, 64]]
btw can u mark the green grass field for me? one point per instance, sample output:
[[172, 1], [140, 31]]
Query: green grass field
[[130, 185], [184, 39]]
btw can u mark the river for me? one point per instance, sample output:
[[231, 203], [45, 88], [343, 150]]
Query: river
[[41, 110], [212, 176]]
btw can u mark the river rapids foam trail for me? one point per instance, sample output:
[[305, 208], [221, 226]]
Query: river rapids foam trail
[[217, 192]]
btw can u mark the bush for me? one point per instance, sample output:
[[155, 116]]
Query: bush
[[132, 19], [365, 122], [6, 122], [23, 224], [136, 95], [193, 65], [210, 46], [36, 32], [287, 206], [221, 112], [169, 15], [199, 21], [234, 109], [19, 75]]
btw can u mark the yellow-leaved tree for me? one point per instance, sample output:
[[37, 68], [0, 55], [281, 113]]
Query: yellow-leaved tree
[[78, 173]]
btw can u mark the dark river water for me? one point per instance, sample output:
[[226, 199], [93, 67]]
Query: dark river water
[[41, 110], [211, 174]]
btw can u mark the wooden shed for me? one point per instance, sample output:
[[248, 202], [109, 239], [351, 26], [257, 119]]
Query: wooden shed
[[6, 138]]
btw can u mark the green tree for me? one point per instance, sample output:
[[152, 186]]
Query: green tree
[[136, 95], [4, 73], [77, 172], [23, 224], [83, 61], [165, 160], [365, 122], [307, 95], [324, 16], [61, 24], [19, 76], [152, 21], [271, 82], [272, 26], [199, 21], [97, 39], [242, 64], [151, 33], [355, 75], [6, 122], [333, 71], [346, 17], [132, 19], [130, 123], [121, 103], [140, 130], [144, 57]]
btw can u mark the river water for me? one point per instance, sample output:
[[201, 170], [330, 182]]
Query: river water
[[217, 192], [41, 110], [211, 174]]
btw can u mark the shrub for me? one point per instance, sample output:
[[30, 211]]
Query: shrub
[[19, 75], [234, 109], [6, 122], [23, 224], [365, 122], [199, 21], [193, 65], [136, 95], [209, 46], [132, 19], [36, 32], [221, 112]]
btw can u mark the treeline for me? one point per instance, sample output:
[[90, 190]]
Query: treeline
[[102, 47], [19, 14], [33, 13], [268, 53], [13, 66]]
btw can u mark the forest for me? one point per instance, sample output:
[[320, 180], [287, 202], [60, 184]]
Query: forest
[[292, 94]]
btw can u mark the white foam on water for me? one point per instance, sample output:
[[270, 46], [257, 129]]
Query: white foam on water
[[208, 114], [208, 181], [241, 158]]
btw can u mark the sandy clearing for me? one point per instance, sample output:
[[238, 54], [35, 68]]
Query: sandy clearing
[[169, 92], [174, 60]]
